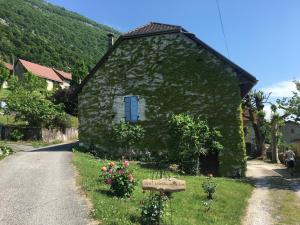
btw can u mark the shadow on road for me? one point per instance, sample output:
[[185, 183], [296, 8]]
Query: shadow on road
[[55, 148]]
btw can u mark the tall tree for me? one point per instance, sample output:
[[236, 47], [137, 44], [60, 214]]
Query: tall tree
[[80, 70], [254, 104]]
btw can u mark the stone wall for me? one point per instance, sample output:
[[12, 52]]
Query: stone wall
[[172, 75], [41, 134]]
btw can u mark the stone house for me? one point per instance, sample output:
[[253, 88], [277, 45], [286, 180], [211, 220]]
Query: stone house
[[52, 76], [291, 134], [154, 71]]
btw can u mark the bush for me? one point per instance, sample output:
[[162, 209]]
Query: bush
[[152, 209], [16, 135], [209, 187], [127, 137], [120, 178], [189, 139], [5, 150]]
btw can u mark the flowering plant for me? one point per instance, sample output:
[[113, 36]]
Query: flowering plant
[[209, 186], [153, 208], [119, 177]]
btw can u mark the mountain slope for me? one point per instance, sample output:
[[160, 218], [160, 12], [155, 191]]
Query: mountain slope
[[50, 35]]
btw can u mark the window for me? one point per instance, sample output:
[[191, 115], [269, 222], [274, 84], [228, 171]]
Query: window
[[131, 108]]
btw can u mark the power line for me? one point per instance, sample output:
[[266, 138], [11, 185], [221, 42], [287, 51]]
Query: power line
[[222, 26]]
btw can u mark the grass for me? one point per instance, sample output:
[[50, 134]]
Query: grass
[[286, 204], [228, 207]]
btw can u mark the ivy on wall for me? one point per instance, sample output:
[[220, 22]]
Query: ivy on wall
[[173, 75]]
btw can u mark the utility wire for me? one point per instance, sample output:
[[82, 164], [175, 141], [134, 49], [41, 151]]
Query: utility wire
[[222, 26]]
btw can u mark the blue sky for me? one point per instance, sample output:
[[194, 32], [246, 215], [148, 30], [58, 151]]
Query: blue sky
[[263, 36]]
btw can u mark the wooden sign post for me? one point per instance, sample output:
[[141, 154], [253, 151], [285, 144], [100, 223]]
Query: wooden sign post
[[164, 185]]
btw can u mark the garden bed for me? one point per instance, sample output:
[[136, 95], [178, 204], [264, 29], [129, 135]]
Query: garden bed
[[228, 206]]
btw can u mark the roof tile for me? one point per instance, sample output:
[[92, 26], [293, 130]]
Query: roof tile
[[153, 27], [41, 71], [65, 75]]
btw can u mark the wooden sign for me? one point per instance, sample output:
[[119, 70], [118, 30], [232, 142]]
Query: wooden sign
[[165, 185]]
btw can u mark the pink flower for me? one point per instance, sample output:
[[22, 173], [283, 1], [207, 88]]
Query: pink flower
[[121, 172], [126, 163], [109, 181], [110, 171]]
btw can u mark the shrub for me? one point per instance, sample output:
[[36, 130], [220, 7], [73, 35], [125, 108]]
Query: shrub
[[16, 135], [209, 187], [152, 209], [5, 150], [127, 137], [189, 139], [120, 178]]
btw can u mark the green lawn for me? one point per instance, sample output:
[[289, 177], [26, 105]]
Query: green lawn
[[228, 207]]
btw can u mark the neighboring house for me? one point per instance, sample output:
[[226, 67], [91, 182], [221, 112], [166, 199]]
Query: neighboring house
[[160, 69], [65, 77], [52, 76], [291, 134]]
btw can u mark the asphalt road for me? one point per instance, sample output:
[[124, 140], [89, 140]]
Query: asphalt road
[[37, 187]]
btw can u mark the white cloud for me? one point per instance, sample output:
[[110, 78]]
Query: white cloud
[[281, 89]]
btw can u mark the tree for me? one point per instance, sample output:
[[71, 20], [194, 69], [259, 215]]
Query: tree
[[254, 104], [30, 101], [290, 109], [4, 73], [189, 139], [80, 70], [277, 122]]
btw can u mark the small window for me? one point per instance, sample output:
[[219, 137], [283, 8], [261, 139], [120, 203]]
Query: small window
[[131, 109]]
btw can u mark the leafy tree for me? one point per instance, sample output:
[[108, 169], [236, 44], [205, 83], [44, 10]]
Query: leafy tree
[[190, 138], [30, 101], [254, 103], [290, 109], [80, 70], [277, 122], [4, 73]]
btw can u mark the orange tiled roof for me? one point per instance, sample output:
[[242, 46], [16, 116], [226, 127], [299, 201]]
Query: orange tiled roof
[[65, 75], [41, 71]]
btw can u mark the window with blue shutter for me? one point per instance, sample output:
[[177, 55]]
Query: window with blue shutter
[[131, 109]]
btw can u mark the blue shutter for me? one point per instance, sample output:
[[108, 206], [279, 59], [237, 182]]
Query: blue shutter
[[127, 109], [131, 109], [134, 109]]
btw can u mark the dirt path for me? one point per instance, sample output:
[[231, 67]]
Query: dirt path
[[37, 187], [260, 207]]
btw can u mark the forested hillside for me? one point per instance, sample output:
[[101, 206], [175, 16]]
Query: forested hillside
[[50, 35]]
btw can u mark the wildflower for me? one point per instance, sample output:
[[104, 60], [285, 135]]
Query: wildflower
[[112, 164], [110, 171], [126, 163], [103, 168]]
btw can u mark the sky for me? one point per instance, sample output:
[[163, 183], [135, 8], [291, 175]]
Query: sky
[[263, 36]]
